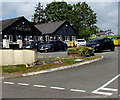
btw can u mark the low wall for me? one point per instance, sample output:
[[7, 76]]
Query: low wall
[[15, 57]]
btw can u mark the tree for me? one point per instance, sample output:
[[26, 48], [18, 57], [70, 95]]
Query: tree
[[88, 31], [83, 19], [57, 11], [39, 15]]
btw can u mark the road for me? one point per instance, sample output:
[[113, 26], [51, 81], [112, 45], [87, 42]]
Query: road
[[96, 80]]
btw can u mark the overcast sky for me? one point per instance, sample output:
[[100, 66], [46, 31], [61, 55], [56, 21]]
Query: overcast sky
[[107, 10]]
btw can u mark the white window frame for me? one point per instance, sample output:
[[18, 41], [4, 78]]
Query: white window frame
[[10, 38], [67, 38], [47, 37], [73, 38]]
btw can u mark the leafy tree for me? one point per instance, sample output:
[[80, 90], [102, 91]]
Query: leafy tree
[[57, 11], [39, 15], [83, 19]]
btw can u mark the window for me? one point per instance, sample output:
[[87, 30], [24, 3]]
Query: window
[[36, 38], [19, 37], [60, 38], [47, 38], [10, 38], [67, 38], [41, 38], [73, 38]]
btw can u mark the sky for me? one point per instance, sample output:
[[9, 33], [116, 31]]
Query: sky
[[107, 10]]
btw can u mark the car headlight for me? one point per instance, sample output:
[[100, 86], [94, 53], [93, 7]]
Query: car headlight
[[97, 45], [48, 47], [27, 46]]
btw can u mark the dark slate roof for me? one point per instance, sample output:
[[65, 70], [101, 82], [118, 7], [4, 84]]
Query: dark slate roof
[[5, 23], [48, 28]]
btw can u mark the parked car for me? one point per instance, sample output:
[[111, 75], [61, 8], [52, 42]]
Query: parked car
[[80, 42], [100, 44], [54, 45], [32, 44]]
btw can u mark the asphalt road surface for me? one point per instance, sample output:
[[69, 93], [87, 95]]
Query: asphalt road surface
[[96, 80]]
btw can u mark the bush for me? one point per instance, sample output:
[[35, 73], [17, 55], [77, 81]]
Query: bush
[[81, 51]]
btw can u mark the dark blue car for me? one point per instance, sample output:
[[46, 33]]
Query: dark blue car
[[32, 44], [100, 44], [54, 45]]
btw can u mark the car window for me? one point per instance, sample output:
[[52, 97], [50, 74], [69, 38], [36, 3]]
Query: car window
[[107, 40], [80, 40], [96, 41], [40, 42], [50, 42], [59, 42]]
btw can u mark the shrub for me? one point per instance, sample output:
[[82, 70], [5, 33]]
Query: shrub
[[81, 51]]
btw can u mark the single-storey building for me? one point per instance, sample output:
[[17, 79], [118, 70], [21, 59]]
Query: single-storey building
[[15, 29], [61, 30]]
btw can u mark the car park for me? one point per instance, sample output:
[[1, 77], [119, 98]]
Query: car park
[[32, 44], [100, 44], [80, 42], [54, 45]]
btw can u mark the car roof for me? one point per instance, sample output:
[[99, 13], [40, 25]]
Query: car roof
[[80, 39], [98, 39]]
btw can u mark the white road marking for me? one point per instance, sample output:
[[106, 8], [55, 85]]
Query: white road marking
[[58, 88], [75, 90], [110, 81], [109, 89], [11, 83], [24, 84], [103, 93], [41, 86]]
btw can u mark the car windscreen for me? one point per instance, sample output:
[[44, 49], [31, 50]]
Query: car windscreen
[[49, 42], [30, 43], [95, 41]]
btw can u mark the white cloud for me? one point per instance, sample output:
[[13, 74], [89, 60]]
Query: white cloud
[[107, 15], [26, 9]]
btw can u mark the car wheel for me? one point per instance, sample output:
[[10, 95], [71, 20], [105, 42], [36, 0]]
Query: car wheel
[[100, 49], [112, 48]]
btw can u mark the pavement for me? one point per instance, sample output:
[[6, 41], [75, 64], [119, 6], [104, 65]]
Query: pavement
[[17, 75]]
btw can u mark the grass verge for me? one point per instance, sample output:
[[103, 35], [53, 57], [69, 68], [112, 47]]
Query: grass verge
[[23, 69]]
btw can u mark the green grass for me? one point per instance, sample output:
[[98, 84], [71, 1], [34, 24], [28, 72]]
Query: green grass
[[24, 69]]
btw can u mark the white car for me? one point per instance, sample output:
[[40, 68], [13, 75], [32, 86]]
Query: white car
[[80, 42]]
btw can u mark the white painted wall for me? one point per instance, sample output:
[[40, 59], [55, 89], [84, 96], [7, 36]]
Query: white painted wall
[[15, 57]]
